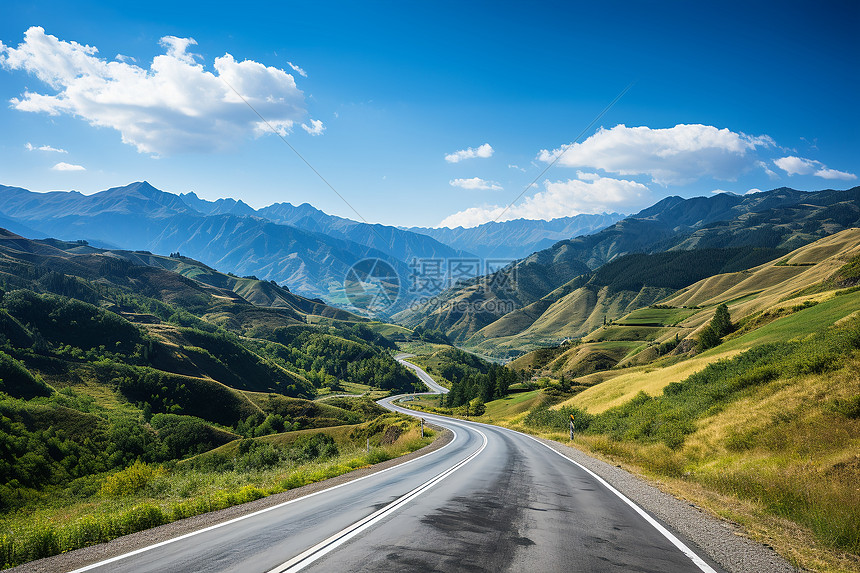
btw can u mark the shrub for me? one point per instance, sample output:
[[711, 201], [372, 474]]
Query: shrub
[[138, 518], [131, 480], [477, 407]]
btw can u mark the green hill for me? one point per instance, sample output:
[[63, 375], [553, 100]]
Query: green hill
[[615, 289], [779, 219], [112, 359], [668, 329], [761, 427]]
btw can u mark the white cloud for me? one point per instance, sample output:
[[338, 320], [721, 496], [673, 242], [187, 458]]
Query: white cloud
[[315, 128], [794, 165], [482, 151], [752, 191], [834, 174], [768, 171], [589, 193], [174, 105], [31, 147], [298, 70], [177, 48], [517, 167], [475, 183], [62, 166], [676, 155]]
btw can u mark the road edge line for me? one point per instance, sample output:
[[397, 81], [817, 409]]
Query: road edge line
[[328, 545], [253, 514], [683, 547]]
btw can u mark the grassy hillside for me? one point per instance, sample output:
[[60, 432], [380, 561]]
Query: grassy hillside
[[763, 428], [113, 369], [779, 219], [628, 283], [630, 347]]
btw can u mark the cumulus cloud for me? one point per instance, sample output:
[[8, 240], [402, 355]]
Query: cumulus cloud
[[482, 151], [315, 128], [675, 155], [834, 174], [175, 105], [298, 70], [63, 166], [794, 165], [753, 191], [31, 147], [475, 183], [588, 193]]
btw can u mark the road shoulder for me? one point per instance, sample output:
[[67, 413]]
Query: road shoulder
[[121, 545], [720, 540]]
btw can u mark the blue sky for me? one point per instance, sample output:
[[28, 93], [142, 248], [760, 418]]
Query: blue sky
[[725, 96]]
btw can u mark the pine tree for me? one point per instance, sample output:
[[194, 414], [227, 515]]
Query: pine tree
[[722, 321]]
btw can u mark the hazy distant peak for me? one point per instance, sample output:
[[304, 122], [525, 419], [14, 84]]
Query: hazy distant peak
[[223, 206]]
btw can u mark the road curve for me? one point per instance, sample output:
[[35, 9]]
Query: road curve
[[425, 378], [490, 500]]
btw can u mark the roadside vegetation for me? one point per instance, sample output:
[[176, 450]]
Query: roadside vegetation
[[143, 495], [131, 395], [777, 426], [744, 397]]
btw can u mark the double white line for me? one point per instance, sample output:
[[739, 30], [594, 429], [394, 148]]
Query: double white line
[[307, 557], [292, 501]]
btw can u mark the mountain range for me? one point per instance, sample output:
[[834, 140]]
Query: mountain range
[[554, 286], [518, 238], [301, 247], [138, 216]]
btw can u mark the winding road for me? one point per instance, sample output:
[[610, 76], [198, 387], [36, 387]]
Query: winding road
[[490, 500]]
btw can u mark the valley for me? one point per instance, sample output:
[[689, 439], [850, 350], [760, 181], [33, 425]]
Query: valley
[[434, 286], [762, 428], [229, 388]]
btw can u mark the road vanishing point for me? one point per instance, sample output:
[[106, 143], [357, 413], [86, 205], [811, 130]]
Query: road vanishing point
[[491, 500]]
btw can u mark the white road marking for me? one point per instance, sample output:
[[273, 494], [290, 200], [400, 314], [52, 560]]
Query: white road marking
[[698, 561], [319, 550], [234, 520]]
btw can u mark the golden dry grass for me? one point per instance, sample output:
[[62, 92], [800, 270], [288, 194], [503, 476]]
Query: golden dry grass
[[764, 288], [625, 385]]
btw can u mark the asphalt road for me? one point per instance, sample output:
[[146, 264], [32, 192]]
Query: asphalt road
[[491, 500], [428, 381]]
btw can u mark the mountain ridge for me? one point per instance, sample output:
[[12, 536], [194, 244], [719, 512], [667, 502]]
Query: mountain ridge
[[519, 237], [780, 218]]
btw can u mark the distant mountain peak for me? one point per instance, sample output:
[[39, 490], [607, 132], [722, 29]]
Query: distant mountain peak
[[222, 206]]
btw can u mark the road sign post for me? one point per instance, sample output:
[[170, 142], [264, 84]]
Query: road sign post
[[422, 427], [571, 426]]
